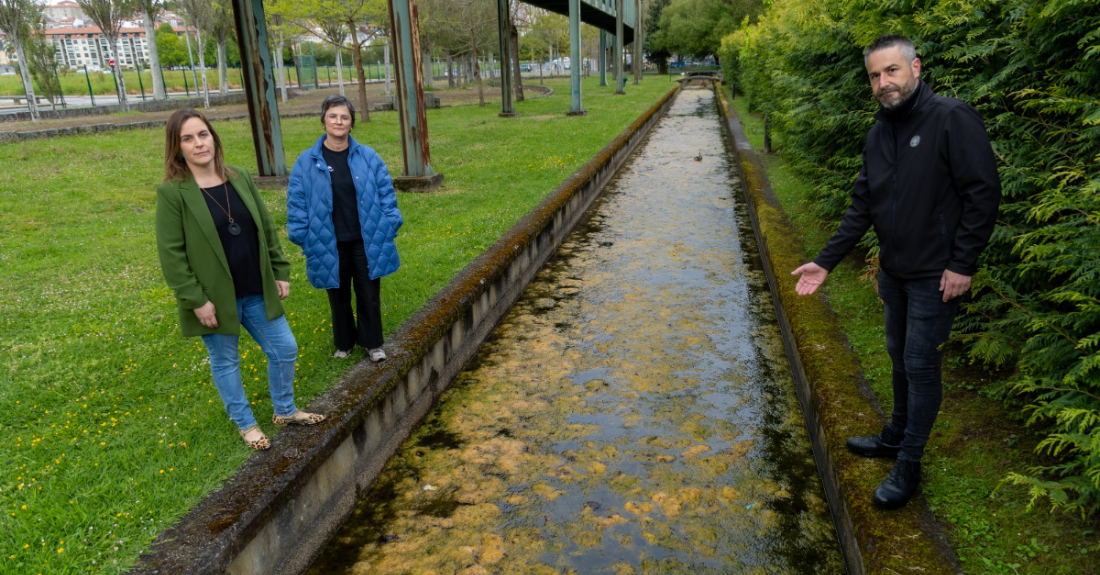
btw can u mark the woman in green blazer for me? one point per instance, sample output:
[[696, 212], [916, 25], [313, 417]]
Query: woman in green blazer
[[220, 254]]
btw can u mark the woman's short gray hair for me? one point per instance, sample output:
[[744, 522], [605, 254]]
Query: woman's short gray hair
[[337, 100]]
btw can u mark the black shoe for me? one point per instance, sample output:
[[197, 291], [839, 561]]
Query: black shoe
[[899, 487], [872, 447]]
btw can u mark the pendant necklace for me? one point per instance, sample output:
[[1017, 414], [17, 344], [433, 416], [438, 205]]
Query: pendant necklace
[[234, 227]]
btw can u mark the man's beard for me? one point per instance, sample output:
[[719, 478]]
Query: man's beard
[[903, 93]]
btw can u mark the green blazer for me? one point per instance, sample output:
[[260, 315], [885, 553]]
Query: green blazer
[[194, 263]]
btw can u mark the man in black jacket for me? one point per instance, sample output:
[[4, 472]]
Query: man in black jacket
[[929, 187]]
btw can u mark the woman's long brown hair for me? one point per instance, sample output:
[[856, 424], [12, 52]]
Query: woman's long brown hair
[[175, 167]]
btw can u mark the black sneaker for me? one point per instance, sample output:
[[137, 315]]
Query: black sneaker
[[872, 446], [899, 487]]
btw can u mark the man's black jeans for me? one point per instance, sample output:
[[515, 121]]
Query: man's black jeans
[[917, 324], [346, 331]]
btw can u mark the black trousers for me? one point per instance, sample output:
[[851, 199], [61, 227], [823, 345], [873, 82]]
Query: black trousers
[[346, 331]]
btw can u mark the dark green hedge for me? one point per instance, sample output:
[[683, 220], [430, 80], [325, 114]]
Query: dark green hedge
[[1032, 68]]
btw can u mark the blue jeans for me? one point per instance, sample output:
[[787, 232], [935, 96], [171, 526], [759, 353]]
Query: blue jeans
[[918, 323], [277, 343]]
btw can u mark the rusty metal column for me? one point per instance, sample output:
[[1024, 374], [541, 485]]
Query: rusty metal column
[[603, 58], [637, 41], [620, 79], [259, 87], [418, 175], [575, 59], [504, 27]]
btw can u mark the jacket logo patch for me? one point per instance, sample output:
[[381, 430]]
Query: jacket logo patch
[[912, 143]]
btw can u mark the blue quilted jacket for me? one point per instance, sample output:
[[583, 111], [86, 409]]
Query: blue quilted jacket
[[309, 213]]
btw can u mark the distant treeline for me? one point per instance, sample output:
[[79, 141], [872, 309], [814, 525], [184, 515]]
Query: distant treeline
[[1032, 68]]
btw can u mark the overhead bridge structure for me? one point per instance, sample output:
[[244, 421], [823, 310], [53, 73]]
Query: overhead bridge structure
[[617, 19]]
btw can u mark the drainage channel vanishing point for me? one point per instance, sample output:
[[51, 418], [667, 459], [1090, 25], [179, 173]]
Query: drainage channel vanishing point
[[633, 413]]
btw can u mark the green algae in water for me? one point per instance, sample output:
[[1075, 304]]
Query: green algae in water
[[632, 414]]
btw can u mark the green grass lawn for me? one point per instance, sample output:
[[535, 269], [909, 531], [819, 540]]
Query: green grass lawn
[[110, 427], [975, 443]]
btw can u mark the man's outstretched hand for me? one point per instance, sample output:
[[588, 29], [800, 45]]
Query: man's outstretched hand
[[812, 276]]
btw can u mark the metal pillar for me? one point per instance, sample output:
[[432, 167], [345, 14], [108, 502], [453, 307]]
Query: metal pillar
[[504, 27], [619, 78], [418, 174], [603, 58], [259, 87], [575, 59], [637, 67]]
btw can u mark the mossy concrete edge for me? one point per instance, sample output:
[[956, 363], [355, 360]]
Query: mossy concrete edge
[[836, 401], [281, 507]]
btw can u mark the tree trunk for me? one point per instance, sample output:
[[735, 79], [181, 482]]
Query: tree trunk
[[386, 55], [202, 69], [513, 35], [112, 53], [477, 73], [154, 57], [279, 60], [357, 56], [426, 62], [190, 61], [340, 69], [450, 70], [223, 72], [25, 74]]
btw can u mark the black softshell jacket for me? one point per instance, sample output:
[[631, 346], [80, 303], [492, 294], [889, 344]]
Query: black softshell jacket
[[928, 185]]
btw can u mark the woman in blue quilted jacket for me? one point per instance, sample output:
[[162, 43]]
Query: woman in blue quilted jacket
[[341, 209]]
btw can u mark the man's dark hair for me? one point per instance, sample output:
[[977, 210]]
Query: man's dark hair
[[908, 51], [337, 100]]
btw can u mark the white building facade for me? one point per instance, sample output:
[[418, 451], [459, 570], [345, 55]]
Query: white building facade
[[79, 47]]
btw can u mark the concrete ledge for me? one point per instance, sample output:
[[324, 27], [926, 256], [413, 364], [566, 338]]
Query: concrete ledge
[[283, 505], [14, 137], [135, 106], [836, 401]]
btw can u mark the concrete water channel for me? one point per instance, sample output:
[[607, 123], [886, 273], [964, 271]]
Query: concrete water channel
[[633, 413]]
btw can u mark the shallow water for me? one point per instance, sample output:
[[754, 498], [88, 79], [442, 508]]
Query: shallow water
[[634, 412]]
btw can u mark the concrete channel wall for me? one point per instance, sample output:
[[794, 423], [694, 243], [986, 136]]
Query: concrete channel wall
[[836, 401], [283, 505]]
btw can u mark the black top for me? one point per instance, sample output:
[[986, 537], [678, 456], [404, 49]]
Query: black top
[[929, 187], [241, 251], [345, 208]]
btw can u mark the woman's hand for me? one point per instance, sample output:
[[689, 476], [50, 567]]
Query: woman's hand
[[206, 315], [284, 288]]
